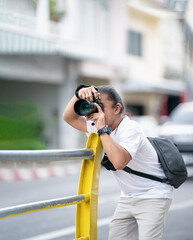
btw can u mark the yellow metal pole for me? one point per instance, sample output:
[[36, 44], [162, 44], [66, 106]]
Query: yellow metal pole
[[86, 213]]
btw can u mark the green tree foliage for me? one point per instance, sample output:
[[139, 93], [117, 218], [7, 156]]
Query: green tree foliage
[[55, 12], [21, 127]]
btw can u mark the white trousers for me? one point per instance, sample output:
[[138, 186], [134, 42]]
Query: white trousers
[[139, 219]]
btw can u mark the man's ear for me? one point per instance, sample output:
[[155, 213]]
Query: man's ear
[[118, 108]]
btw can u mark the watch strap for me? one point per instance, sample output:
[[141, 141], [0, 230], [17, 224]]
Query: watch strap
[[105, 129]]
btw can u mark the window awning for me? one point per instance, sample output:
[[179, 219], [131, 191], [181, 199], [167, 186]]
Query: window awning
[[165, 86]]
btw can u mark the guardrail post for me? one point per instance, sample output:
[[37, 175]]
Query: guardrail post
[[86, 213]]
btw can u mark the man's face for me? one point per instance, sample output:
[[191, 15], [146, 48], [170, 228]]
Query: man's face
[[109, 109]]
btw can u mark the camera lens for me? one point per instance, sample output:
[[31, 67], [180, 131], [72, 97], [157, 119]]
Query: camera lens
[[83, 107]]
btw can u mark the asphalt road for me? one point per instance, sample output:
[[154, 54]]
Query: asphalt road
[[58, 224]]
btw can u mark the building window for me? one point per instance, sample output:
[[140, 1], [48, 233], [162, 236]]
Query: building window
[[135, 43]]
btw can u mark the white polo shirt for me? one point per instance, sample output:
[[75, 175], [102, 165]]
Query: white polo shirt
[[144, 159]]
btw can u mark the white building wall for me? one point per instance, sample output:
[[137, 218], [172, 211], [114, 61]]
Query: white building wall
[[148, 66], [173, 48], [162, 44]]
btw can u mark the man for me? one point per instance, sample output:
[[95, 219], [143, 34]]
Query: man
[[143, 204]]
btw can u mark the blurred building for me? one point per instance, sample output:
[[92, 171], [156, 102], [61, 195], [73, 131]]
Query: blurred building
[[48, 47], [154, 59], [188, 46]]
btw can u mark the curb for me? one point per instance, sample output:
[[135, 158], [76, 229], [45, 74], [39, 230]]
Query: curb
[[27, 174]]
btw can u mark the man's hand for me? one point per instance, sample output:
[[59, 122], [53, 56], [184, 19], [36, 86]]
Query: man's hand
[[87, 93], [98, 118]]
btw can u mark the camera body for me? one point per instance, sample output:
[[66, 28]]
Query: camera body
[[83, 107]]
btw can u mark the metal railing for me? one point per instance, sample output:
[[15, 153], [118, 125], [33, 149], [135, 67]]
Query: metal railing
[[87, 198]]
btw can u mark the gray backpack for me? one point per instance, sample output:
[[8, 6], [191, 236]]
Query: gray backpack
[[170, 159]]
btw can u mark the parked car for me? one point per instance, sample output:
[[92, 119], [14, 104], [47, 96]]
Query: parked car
[[179, 128]]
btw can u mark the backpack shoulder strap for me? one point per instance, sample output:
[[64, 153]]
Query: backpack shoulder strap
[[145, 175]]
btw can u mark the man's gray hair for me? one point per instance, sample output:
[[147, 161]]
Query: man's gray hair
[[112, 94]]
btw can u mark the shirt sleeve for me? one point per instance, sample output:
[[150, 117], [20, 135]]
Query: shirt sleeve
[[130, 139]]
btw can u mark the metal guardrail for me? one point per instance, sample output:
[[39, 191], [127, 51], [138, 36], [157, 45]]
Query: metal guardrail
[[44, 155], [42, 205], [87, 198]]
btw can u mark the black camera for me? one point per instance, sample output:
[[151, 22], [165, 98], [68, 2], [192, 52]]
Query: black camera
[[83, 107]]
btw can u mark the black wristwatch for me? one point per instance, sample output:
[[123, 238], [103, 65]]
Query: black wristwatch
[[105, 129]]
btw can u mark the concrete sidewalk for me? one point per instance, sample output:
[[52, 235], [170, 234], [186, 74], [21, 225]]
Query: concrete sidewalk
[[12, 173]]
